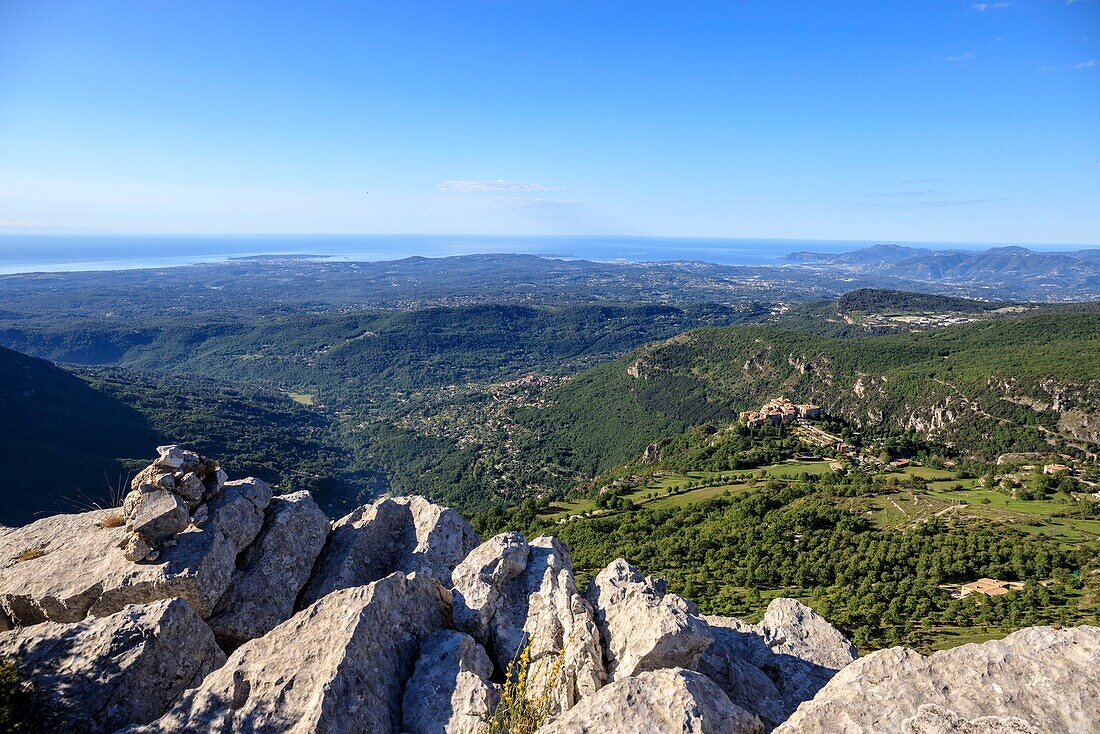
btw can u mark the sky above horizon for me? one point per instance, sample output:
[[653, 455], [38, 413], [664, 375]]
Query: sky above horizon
[[929, 121]]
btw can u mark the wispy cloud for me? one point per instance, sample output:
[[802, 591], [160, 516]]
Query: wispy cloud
[[1084, 64], [465, 186], [910, 194], [960, 58], [921, 200], [982, 7]]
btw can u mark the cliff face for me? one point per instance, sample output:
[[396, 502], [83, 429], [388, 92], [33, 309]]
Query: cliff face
[[397, 619]]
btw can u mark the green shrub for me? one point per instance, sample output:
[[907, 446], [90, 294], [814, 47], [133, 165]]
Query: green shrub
[[18, 713]]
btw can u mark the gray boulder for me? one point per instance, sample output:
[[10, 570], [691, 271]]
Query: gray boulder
[[64, 567], [159, 514], [126, 668], [481, 578], [656, 702], [795, 649], [271, 571], [449, 692], [337, 666], [642, 627], [537, 606], [1043, 676], [406, 534]]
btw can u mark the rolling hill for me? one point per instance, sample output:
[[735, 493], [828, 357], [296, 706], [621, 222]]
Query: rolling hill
[[1001, 385]]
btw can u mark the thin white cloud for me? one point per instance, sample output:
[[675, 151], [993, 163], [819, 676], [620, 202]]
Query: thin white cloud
[[960, 58], [1084, 64], [982, 7], [466, 186]]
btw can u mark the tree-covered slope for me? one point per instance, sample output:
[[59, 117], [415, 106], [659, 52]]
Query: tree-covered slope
[[65, 444], [1009, 384]]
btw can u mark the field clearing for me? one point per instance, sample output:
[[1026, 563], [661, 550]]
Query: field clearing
[[302, 398], [715, 483]]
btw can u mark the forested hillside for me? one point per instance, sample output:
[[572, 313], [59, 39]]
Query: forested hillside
[[65, 444], [1005, 385]]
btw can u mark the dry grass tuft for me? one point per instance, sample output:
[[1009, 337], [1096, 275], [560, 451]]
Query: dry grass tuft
[[31, 553], [114, 520]]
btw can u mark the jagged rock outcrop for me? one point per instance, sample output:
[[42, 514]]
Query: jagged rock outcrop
[[406, 534], [511, 594], [642, 627], [450, 691], [126, 668], [656, 702], [797, 650], [481, 578], [1046, 677], [272, 570], [64, 567], [339, 665]]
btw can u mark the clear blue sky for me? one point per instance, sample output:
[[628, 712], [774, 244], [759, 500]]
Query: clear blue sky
[[920, 120]]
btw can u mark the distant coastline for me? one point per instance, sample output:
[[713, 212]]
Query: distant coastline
[[30, 253]]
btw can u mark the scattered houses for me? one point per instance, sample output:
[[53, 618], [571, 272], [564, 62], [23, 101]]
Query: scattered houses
[[778, 411]]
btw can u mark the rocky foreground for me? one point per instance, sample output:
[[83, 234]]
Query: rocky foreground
[[205, 605]]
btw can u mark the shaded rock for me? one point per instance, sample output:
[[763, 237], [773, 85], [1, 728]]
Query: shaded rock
[[449, 691], [1044, 676], [796, 649], [479, 579], [746, 685], [104, 673], [641, 627], [932, 719], [137, 549], [238, 510], [539, 606], [406, 534], [78, 567], [159, 514], [337, 666], [656, 702], [272, 570]]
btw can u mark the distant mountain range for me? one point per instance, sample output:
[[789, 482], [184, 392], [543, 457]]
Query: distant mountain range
[[997, 268]]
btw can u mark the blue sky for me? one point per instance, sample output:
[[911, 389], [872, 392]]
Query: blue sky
[[922, 121]]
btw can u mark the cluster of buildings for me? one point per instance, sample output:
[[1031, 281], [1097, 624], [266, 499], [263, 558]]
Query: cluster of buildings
[[988, 587], [779, 410]]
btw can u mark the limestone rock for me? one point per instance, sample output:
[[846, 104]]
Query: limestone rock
[[159, 514], [932, 719], [406, 534], [272, 570], [480, 578], [449, 691], [104, 673], [643, 628], [789, 627], [657, 702], [62, 568], [337, 666], [538, 605], [1043, 676], [174, 457], [796, 649]]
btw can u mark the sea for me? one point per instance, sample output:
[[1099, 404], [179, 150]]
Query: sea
[[29, 253]]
